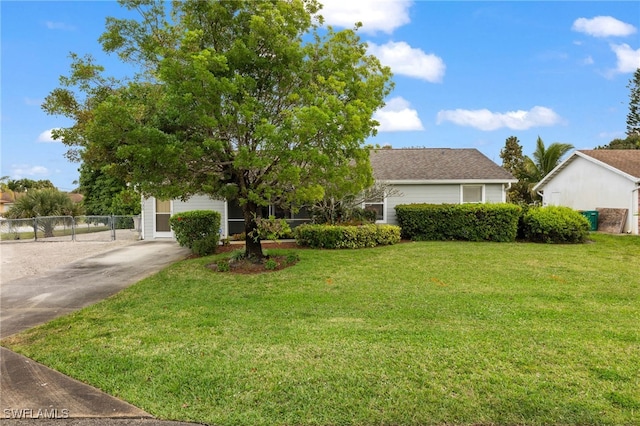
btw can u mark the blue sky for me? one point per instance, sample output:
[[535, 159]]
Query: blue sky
[[467, 74]]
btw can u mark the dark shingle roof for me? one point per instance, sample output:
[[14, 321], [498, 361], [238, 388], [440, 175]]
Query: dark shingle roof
[[625, 160], [435, 164]]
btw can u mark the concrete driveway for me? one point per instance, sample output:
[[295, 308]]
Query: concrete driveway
[[34, 390]]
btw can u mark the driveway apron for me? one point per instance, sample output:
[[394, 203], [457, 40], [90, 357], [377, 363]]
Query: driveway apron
[[31, 390]]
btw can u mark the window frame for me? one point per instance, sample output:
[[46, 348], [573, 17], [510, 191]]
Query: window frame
[[378, 202], [474, 185]]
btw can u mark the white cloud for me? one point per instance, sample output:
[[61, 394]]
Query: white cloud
[[18, 171], [46, 136], [406, 60], [33, 102], [375, 15], [398, 116], [484, 119], [603, 26], [628, 59], [588, 60], [59, 26]]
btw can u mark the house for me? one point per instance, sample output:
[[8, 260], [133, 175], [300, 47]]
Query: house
[[597, 179], [423, 175]]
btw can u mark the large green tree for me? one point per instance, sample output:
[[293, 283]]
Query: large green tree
[[235, 99]]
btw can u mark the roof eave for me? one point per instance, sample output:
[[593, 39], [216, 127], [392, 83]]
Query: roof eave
[[445, 181]]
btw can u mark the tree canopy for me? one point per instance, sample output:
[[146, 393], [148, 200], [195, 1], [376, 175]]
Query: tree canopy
[[234, 99], [630, 142], [544, 160], [106, 194], [633, 117], [527, 170], [24, 185], [513, 160]]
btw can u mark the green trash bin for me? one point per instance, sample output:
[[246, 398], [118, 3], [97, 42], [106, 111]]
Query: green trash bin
[[592, 217]]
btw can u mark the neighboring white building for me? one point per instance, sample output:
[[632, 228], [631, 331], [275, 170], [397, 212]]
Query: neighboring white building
[[595, 179], [424, 175]]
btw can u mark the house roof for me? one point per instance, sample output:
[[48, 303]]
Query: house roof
[[75, 197], [436, 164], [625, 162], [7, 197]]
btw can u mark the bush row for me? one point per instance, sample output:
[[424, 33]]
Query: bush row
[[353, 237], [491, 222], [197, 230], [554, 224], [470, 222]]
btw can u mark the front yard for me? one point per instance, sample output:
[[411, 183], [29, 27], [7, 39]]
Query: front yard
[[411, 334]]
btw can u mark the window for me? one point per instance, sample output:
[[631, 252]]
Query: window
[[472, 194], [377, 205], [163, 213]]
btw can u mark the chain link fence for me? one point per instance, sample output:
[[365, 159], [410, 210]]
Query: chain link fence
[[67, 228]]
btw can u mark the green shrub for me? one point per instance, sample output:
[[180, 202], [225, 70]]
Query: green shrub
[[270, 229], [223, 265], [337, 236], [197, 230], [270, 265], [292, 258], [206, 245], [469, 222], [555, 224]]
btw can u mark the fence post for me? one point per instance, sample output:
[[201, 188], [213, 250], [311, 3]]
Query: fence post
[[113, 228], [73, 228], [35, 229]]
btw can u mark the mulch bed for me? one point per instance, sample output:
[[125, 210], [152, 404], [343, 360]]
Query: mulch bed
[[246, 266]]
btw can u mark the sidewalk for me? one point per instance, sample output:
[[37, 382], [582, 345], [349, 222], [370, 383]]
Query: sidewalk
[[29, 390]]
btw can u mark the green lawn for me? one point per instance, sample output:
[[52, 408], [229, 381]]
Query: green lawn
[[412, 334]]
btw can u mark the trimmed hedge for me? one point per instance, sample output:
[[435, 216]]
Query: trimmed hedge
[[555, 224], [197, 230], [353, 237], [469, 222]]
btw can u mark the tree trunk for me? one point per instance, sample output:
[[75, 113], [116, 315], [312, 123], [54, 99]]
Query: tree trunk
[[253, 246], [48, 229]]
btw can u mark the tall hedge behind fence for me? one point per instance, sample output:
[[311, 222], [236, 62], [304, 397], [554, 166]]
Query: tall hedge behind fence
[[470, 222]]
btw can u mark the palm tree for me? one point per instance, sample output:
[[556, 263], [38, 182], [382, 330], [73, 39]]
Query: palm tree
[[44, 202], [544, 160]]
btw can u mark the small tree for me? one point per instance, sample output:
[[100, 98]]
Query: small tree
[[633, 118], [545, 159], [513, 161]]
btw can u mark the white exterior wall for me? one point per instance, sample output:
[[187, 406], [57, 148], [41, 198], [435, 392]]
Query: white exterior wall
[[584, 185], [436, 194], [197, 202], [146, 217]]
